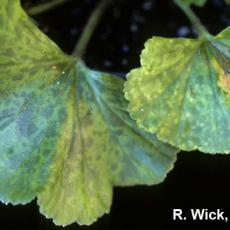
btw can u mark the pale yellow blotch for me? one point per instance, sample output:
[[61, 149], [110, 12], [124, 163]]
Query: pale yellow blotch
[[223, 77], [224, 82]]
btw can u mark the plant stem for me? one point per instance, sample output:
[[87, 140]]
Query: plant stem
[[195, 21], [90, 28], [44, 7]]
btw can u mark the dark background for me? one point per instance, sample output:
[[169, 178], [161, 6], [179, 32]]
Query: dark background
[[198, 180]]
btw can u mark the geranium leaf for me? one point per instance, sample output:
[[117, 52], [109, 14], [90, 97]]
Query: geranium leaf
[[103, 147], [65, 133], [30, 66], [181, 92]]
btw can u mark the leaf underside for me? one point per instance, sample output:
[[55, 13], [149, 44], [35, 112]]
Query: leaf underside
[[178, 92], [65, 134]]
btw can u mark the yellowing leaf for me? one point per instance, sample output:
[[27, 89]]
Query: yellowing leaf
[[30, 107], [100, 147], [177, 95], [65, 133]]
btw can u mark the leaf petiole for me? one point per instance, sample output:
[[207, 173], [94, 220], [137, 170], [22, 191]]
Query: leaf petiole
[[90, 28], [44, 7], [195, 21]]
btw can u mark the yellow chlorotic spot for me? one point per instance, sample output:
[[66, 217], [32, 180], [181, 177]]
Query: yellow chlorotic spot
[[224, 77], [224, 82]]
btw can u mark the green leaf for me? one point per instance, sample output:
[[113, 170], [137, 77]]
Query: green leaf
[[65, 133], [181, 92], [103, 147], [30, 107], [195, 2], [227, 2]]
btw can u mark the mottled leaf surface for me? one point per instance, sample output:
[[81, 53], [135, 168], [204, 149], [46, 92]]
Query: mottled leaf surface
[[65, 133], [101, 147], [181, 92], [30, 106]]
